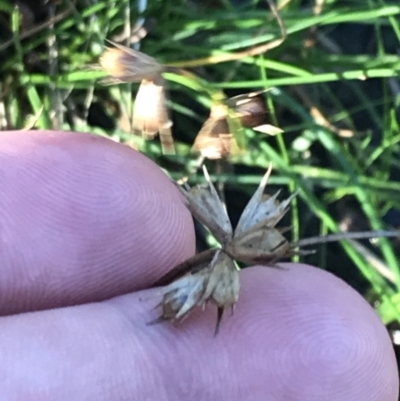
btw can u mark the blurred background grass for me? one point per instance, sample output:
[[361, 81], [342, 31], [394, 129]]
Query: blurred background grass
[[334, 90]]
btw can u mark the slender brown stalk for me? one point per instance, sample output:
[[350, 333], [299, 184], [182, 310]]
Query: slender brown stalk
[[203, 258]]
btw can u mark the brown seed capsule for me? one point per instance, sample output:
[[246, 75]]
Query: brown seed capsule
[[215, 139], [250, 108], [223, 285], [124, 64], [259, 246]]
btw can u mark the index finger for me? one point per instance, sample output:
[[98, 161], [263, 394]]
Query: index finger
[[83, 219]]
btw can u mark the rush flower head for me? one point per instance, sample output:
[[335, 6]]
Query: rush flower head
[[255, 240], [212, 276]]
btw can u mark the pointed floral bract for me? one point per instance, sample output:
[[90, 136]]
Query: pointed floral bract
[[150, 114], [259, 246], [183, 295], [222, 286], [206, 207], [262, 211]]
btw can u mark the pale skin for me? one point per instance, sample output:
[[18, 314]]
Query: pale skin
[[86, 227]]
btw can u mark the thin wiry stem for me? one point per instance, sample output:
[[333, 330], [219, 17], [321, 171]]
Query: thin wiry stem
[[195, 261], [344, 236]]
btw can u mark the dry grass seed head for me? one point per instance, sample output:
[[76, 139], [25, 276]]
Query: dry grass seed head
[[251, 109], [150, 115], [255, 241], [214, 141]]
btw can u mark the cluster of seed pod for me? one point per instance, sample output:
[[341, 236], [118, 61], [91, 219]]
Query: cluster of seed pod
[[215, 139], [212, 276], [215, 277]]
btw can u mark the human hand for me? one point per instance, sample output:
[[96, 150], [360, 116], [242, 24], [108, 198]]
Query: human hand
[[86, 226]]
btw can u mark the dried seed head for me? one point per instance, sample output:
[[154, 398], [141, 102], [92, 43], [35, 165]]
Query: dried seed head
[[262, 211], [255, 241], [214, 140], [223, 285], [150, 114], [261, 245], [250, 108], [223, 282], [150, 118], [217, 283], [182, 296], [124, 64], [205, 206]]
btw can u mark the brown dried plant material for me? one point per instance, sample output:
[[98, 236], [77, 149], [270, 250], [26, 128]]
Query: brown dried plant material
[[250, 108], [215, 139], [255, 240], [150, 115], [212, 276], [222, 286], [124, 64], [206, 207], [218, 283], [183, 295]]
